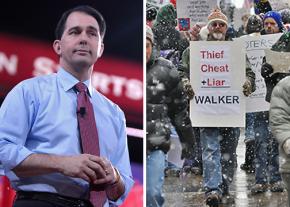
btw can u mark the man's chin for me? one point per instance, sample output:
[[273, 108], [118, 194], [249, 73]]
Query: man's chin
[[81, 64], [218, 36], [269, 32]]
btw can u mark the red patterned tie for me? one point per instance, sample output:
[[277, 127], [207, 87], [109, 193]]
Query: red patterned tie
[[89, 135]]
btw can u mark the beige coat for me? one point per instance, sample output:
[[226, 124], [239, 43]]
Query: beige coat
[[280, 120]]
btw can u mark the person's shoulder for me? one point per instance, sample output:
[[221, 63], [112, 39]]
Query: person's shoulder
[[165, 67], [31, 89], [42, 78], [284, 83], [106, 102], [30, 83], [282, 89], [164, 62]]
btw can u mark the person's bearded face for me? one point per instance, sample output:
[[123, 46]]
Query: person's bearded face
[[270, 26], [217, 30]]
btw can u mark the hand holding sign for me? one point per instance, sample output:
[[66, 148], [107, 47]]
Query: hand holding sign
[[193, 33], [247, 88], [266, 70]]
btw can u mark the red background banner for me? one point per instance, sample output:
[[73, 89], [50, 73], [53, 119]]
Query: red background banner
[[119, 80]]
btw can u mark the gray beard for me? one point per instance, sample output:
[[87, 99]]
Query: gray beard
[[218, 36]]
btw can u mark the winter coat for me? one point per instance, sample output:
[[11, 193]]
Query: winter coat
[[166, 36], [280, 119], [282, 45], [166, 104]]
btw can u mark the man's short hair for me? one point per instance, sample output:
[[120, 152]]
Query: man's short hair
[[254, 24], [84, 9]]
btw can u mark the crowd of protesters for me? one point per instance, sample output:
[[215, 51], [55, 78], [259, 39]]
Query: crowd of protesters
[[212, 151]]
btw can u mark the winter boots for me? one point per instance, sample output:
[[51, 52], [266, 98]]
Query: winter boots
[[249, 165]]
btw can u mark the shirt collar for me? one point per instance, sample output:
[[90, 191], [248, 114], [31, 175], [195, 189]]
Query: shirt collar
[[68, 81]]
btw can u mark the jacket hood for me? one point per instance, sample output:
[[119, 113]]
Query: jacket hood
[[166, 16], [254, 24]]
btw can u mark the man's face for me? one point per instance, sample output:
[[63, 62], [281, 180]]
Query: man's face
[[271, 26], [217, 30], [148, 50], [81, 44]]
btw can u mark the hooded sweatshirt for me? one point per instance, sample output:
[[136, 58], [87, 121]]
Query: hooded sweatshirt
[[165, 33]]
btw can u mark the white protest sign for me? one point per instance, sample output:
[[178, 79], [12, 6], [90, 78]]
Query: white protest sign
[[255, 46], [190, 12], [279, 4], [238, 13], [217, 73], [158, 3], [280, 61]]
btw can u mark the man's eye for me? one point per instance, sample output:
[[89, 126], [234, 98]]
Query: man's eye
[[73, 32], [93, 34]]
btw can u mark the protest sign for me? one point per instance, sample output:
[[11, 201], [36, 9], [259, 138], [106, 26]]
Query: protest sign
[[280, 61], [279, 4], [190, 12], [255, 46], [157, 3], [217, 73]]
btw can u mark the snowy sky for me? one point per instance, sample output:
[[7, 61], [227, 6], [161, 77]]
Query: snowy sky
[[238, 3]]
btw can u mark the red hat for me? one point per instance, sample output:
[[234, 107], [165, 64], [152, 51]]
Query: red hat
[[173, 2]]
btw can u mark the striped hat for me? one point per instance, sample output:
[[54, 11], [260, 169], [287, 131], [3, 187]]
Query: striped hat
[[217, 15]]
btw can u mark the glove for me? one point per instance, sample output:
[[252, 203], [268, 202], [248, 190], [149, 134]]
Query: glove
[[266, 70], [247, 88], [187, 151], [286, 146], [188, 88], [194, 32]]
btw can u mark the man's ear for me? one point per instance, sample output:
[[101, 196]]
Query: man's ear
[[56, 47], [100, 49]]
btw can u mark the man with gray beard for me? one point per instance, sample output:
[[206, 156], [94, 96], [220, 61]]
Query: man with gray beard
[[219, 144]]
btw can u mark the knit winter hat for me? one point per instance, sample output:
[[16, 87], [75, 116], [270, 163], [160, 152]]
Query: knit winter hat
[[285, 14], [277, 17], [173, 2], [283, 44], [217, 15], [149, 34]]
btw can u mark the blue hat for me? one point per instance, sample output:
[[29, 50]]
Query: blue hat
[[277, 17]]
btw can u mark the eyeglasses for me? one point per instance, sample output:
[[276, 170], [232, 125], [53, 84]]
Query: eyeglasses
[[220, 24]]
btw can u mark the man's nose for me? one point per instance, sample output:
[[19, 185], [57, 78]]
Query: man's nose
[[83, 38]]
